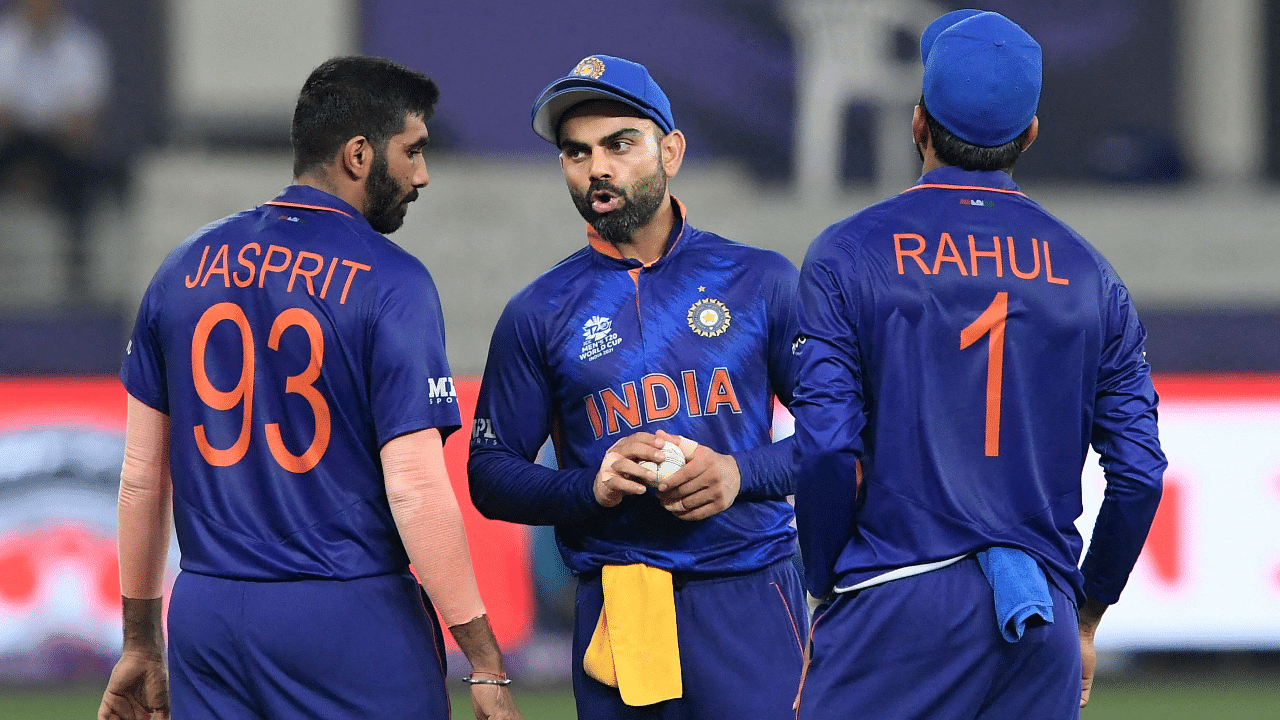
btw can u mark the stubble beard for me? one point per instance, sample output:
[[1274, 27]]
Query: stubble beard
[[638, 206]]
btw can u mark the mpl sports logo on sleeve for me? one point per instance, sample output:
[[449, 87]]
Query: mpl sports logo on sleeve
[[441, 390], [482, 431], [599, 339]]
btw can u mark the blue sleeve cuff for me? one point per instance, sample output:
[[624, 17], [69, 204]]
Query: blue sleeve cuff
[[767, 471]]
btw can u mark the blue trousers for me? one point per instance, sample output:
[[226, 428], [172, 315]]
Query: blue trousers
[[927, 646], [366, 648], [740, 648]]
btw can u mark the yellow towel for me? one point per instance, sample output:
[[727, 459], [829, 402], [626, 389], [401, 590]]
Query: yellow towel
[[634, 647]]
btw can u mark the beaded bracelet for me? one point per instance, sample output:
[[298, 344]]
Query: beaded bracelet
[[501, 678]]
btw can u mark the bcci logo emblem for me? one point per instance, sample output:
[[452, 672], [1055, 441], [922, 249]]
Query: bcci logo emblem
[[709, 318], [591, 67]]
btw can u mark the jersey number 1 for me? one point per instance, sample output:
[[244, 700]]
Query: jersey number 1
[[991, 323], [300, 384]]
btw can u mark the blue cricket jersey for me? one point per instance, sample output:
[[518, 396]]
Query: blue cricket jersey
[[287, 344], [599, 347], [967, 347]]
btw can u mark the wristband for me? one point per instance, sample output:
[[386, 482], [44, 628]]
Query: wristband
[[499, 678]]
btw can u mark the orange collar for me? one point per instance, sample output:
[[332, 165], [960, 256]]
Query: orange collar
[[280, 203], [606, 248], [964, 187]]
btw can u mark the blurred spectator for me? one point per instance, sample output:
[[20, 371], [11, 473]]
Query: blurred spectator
[[54, 78]]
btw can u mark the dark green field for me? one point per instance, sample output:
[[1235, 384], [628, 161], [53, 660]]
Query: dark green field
[[1115, 699]]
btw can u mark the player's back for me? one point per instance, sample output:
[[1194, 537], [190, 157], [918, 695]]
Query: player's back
[[287, 344], [982, 325]]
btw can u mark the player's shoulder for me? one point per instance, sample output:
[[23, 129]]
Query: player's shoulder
[[391, 259], [385, 259], [847, 235], [753, 256], [549, 288], [1051, 223], [210, 234]]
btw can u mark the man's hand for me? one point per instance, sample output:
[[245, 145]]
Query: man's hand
[[707, 484], [620, 472], [139, 686], [493, 702], [1090, 615]]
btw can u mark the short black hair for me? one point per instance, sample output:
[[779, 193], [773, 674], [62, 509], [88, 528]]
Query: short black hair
[[355, 95], [951, 150]]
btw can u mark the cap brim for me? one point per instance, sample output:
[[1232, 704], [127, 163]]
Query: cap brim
[[546, 118]]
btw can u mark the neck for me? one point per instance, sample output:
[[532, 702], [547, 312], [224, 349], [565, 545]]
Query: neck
[[320, 179], [648, 243], [931, 162], [930, 158]]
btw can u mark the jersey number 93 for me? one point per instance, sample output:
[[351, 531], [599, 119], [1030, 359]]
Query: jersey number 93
[[242, 393]]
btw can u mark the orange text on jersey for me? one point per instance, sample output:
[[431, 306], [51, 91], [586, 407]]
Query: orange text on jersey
[[663, 398], [254, 266], [1024, 260]]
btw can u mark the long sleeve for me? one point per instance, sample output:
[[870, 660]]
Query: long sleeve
[[513, 419], [768, 471], [828, 409], [1125, 436]]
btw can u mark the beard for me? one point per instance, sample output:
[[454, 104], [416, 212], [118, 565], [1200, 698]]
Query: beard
[[386, 205], [638, 206]]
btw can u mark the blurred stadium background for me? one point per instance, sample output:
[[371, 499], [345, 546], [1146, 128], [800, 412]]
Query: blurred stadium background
[[1157, 144]]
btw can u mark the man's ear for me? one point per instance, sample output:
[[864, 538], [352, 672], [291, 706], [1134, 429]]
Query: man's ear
[[356, 158], [672, 149], [1032, 133], [919, 128]]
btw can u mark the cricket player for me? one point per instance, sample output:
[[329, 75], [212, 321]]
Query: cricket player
[[960, 350], [285, 381], [688, 604]]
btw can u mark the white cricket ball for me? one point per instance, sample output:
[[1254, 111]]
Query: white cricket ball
[[673, 461]]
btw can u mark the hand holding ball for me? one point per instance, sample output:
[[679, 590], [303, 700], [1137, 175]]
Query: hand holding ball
[[673, 460]]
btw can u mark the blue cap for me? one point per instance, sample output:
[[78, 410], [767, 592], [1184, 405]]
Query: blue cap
[[982, 79], [601, 77], [937, 26]]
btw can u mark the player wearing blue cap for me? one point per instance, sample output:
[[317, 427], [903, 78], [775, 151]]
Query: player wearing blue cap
[[688, 604], [288, 397], [960, 350]]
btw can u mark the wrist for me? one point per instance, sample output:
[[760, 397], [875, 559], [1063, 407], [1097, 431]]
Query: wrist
[[1090, 614], [486, 677], [143, 625], [145, 653]]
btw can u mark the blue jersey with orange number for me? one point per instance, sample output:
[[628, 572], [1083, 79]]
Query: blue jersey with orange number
[[287, 344], [599, 347], [967, 347]]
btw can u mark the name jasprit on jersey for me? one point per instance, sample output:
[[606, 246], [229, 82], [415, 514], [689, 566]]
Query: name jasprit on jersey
[[254, 263], [1023, 258]]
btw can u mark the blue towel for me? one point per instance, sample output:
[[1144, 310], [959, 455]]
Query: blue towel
[[1020, 588]]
